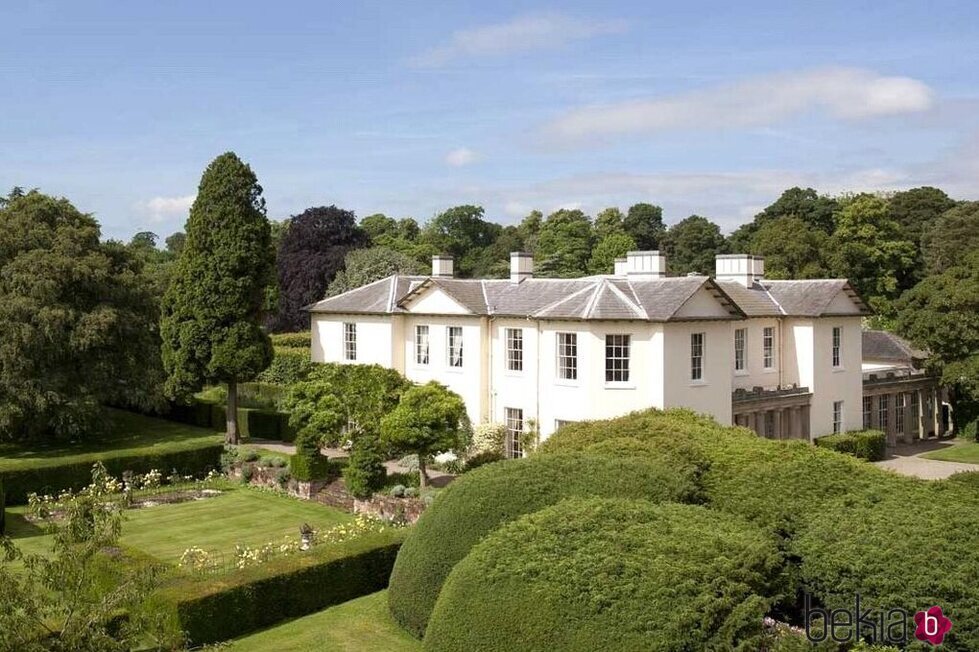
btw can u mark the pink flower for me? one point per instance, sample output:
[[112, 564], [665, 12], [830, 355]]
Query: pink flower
[[931, 625]]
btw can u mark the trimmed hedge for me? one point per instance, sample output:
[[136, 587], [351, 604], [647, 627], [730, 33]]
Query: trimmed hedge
[[252, 422], [289, 365], [478, 502], [772, 483], [870, 445], [600, 574], [51, 476], [212, 609], [910, 545], [306, 468], [301, 340]]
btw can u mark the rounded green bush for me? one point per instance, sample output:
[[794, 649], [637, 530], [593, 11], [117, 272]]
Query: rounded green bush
[[600, 574], [772, 483], [478, 502], [911, 545]]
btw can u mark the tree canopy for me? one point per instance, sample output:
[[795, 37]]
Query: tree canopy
[[78, 318], [691, 245], [644, 222], [311, 253], [363, 266], [429, 419], [564, 244], [212, 311], [948, 239]]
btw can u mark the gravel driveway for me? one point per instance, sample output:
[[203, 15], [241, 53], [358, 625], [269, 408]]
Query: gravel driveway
[[906, 459]]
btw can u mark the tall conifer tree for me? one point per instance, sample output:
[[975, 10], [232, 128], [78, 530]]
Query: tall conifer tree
[[212, 310]]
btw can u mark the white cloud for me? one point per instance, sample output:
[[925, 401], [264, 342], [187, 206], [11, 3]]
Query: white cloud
[[522, 34], [844, 93], [161, 209], [460, 157]]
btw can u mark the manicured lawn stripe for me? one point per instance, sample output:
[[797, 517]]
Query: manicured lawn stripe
[[361, 625], [243, 516]]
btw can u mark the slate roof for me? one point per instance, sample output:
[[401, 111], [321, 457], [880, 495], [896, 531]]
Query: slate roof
[[881, 345], [590, 298], [811, 298], [594, 297]]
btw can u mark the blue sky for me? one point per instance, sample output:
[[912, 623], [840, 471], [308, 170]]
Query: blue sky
[[407, 108]]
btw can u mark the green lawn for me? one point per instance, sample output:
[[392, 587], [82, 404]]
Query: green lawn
[[125, 433], [244, 516], [361, 625], [959, 452]]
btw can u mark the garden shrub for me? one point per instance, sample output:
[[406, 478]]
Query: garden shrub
[[488, 438], [306, 469], [870, 445], [3, 508], [910, 545], [211, 609], [481, 459], [772, 483], [477, 503], [51, 476], [970, 431], [289, 365], [600, 574], [302, 340], [365, 472]]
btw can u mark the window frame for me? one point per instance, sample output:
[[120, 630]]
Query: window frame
[[900, 412], [698, 353], [350, 341], [868, 412], [513, 345], [837, 347], [624, 350], [768, 348], [513, 447], [837, 417], [453, 352], [419, 351], [566, 354], [883, 412], [740, 352]]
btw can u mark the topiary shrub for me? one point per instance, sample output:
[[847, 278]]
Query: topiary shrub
[[477, 503], [481, 459], [910, 545], [870, 445], [365, 472], [599, 574], [734, 463]]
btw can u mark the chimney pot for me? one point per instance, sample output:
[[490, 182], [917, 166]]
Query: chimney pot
[[442, 266], [646, 263], [521, 266], [742, 268]]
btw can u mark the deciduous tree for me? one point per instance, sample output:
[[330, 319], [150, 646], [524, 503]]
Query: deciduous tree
[[792, 249], [78, 322], [429, 419], [311, 254], [644, 222], [612, 246], [363, 266], [691, 245], [564, 244], [213, 309], [948, 239]]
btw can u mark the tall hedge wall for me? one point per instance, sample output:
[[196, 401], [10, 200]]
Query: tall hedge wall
[[50, 476], [480, 501], [600, 574], [252, 422], [212, 609]]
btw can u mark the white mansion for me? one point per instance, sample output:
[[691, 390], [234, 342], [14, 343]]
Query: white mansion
[[781, 357]]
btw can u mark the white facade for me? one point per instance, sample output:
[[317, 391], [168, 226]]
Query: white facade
[[546, 369]]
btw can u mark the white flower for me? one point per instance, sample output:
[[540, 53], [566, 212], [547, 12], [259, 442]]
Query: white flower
[[446, 457]]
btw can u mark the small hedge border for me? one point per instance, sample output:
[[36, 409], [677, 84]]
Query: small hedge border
[[870, 445], [52, 478], [306, 468], [208, 610], [252, 422]]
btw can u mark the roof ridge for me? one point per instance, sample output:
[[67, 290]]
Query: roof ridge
[[482, 286], [346, 292], [561, 300], [636, 307], [596, 292]]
